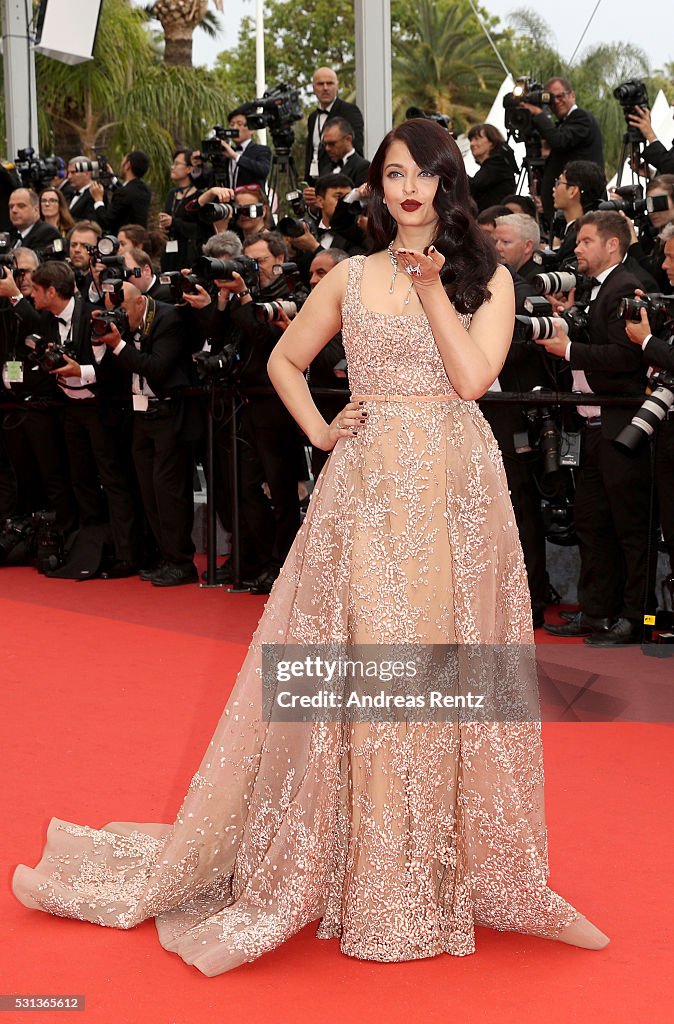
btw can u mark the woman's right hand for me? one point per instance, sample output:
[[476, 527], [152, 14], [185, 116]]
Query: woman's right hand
[[345, 424]]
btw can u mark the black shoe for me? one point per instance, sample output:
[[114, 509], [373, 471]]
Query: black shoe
[[580, 625], [120, 570], [567, 616], [175, 576], [223, 573], [152, 571], [263, 583], [623, 631]]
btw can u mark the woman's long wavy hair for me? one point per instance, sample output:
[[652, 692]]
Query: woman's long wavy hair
[[470, 260]]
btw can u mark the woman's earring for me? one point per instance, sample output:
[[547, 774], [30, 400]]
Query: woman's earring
[[384, 202], [443, 187]]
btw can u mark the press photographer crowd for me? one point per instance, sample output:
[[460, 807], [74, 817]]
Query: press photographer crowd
[[123, 330]]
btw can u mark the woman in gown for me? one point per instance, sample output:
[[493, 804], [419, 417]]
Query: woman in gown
[[397, 837]]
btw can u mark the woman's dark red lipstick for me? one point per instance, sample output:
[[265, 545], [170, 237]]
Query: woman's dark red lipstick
[[410, 205]]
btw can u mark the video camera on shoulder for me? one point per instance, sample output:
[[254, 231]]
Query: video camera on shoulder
[[518, 122]]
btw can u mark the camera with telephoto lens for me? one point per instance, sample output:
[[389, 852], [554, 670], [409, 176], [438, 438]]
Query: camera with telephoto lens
[[630, 95], [224, 365], [647, 418], [179, 284], [207, 268], [291, 294], [564, 281], [543, 321], [210, 212], [103, 320], [35, 172], [98, 168], [633, 204], [277, 109], [293, 227], [542, 434], [295, 201], [518, 122], [48, 355]]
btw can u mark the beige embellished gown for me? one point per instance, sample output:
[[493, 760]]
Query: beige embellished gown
[[396, 837]]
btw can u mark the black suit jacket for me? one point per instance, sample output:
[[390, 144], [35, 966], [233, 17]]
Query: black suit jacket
[[340, 108], [495, 179], [253, 165], [126, 204], [661, 158], [38, 238], [84, 208], [577, 137], [163, 359], [659, 352], [611, 362], [356, 168]]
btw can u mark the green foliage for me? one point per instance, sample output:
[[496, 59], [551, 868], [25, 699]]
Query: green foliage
[[126, 97], [442, 61]]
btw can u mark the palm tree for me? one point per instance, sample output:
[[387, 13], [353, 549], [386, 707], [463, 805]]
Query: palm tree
[[125, 98], [179, 19], [444, 63]]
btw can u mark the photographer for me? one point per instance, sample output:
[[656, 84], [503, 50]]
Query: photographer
[[579, 188], [574, 136], [659, 353], [28, 231], [222, 359], [646, 249], [83, 237], [85, 373], [150, 348], [128, 202], [497, 176], [148, 283], [180, 247], [326, 86], [271, 446], [517, 237], [654, 153], [32, 437], [338, 144], [612, 511], [250, 162], [79, 198]]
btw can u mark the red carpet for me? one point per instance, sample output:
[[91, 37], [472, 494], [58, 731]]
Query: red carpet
[[111, 691]]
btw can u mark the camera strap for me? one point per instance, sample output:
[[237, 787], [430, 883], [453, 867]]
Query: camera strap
[[150, 313]]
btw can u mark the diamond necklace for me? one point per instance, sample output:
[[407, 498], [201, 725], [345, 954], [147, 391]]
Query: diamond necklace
[[394, 263]]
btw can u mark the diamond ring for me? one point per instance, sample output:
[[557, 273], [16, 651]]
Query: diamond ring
[[416, 269]]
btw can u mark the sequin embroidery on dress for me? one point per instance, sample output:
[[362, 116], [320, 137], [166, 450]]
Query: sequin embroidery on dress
[[396, 838]]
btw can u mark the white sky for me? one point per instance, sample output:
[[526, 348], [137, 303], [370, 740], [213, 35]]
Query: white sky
[[646, 23]]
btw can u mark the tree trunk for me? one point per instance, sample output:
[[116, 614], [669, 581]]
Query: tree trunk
[[178, 49]]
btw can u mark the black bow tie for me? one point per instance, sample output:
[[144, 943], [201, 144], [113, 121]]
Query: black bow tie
[[60, 320], [338, 164], [238, 148], [321, 232]]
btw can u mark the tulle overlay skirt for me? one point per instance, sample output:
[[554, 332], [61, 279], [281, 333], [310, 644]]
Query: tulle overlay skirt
[[398, 837]]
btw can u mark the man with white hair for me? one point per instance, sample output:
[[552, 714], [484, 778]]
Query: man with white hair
[[517, 238]]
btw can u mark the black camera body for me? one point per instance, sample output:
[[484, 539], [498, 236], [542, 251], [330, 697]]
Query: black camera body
[[660, 310], [35, 172], [179, 284], [630, 95], [48, 355], [543, 321], [291, 294], [518, 122], [277, 109], [224, 365], [107, 318], [209, 269]]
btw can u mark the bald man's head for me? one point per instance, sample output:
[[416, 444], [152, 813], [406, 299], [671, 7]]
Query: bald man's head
[[134, 303], [325, 85]]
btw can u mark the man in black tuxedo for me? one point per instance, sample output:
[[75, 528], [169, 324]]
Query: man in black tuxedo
[[80, 199], [148, 283], [28, 231], [91, 424], [32, 437], [326, 85], [249, 162], [612, 505], [154, 352], [338, 144], [659, 352], [517, 238], [129, 201], [654, 153], [575, 136]]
